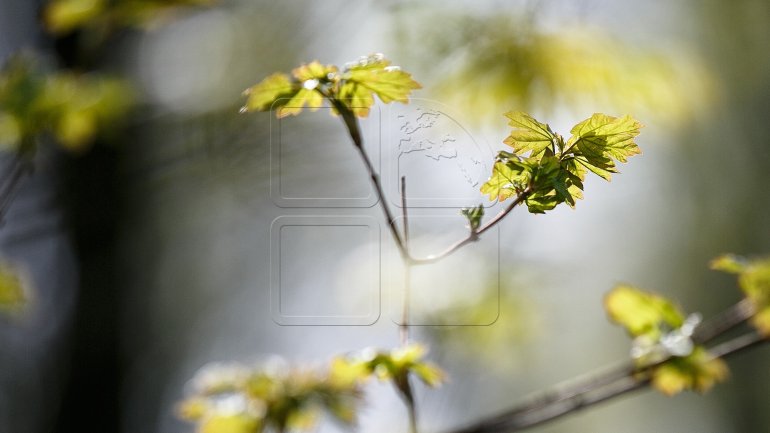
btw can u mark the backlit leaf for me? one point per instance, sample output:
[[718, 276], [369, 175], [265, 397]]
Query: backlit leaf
[[277, 88], [508, 178], [600, 139], [314, 71], [296, 103], [642, 313], [229, 424], [373, 75], [602, 167], [429, 374], [528, 134], [729, 263], [698, 372], [754, 281]]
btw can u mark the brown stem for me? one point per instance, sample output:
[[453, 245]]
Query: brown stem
[[407, 268], [404, 388], [473, 236], [724, 321], [351, 122]]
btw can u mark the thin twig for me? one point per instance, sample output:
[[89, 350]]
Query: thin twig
[[407, 268], [724, 321], [404, 214], [738, 344], [473, 236], [351, 122]]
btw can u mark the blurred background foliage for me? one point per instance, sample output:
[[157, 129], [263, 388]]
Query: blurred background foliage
[[71, 108], [147, 248], [486, 61]]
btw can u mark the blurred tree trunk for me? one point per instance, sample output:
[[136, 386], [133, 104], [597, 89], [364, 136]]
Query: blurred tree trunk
[[58, 362]]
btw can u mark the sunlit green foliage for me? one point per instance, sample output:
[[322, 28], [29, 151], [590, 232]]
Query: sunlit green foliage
[[661, 333], [489, 62], [642, 313], [240, 399], [546, 171], [529, 135], [601, 139], [754, 281], [73, 108], [65, 16], [397, 364], [236, 398], [354, 86], [697, 371], [11, 288]]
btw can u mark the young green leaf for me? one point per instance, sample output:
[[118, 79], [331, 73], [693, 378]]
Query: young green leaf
[[528, 134], [754, 281], [314, 71], [652, 320], [397, 364], [373, 75], [553, 173], [729, 263], [473, 215], [311, 83], [508, 178], [600, 139], [275, 89], [239, 423], [642, 313], [698, 372]]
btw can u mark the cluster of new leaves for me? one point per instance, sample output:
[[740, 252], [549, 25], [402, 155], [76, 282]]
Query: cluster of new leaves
[[73, 108], [546, 171], [240, 399], [65, 16], [662, 339], [754, 281], [352, 87], [11, 288], [473, 215]]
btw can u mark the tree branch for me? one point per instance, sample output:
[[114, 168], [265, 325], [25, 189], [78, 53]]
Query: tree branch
[[615, 381], [351, 122], [474, 235]]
